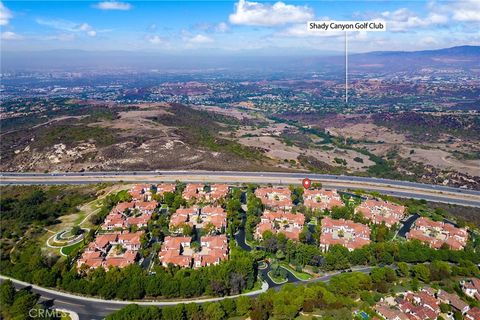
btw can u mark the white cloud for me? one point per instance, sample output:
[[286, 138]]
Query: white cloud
[[114, 5], [403, 19], [69, 26], [222, 27], [300, 30], [8, 35], [87, 29], [428, 41], [200, 39], [5, 15], [154, 39], [466, 10], [260, 14]]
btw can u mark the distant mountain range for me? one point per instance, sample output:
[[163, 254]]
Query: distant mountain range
[[454, 57], [460, 56], [473, 51]]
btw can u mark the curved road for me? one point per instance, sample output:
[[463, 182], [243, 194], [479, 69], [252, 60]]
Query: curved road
[[397, 188], [95, 308]]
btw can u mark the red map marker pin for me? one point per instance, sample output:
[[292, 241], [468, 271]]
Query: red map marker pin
[[306, 183]]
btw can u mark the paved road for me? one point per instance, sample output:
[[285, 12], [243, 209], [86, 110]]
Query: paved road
[[403, 189], [94, 308], [407, 225]]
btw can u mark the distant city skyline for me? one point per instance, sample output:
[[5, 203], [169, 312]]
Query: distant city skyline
[[232, 26]]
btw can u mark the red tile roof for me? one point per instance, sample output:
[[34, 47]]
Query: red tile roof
[[321, 199], [275, 197], [122, 206], [473, 314], [103, 240], [130, 237], [453, 300], [139, 221], [215, 215], [165, 187], [438, 233], [381, 211], [192, 191], [354, 235], [290, 224], [183, 215], [218, 191], [146, 206]]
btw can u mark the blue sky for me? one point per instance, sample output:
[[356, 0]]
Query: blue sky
[[233, 26]]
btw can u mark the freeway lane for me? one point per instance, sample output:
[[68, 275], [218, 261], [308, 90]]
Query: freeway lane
[[278, 175], [403, 189]]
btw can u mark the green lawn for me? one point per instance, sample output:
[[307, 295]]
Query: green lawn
[[69, 249], [275, 279], [299, 275]]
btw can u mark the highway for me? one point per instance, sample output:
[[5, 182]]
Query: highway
[[404, 189]]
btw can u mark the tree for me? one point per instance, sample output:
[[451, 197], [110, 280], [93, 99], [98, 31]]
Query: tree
[[244, 304], [187, 229], [173, 312], [214, 311], [7, 293], [95, 219], [135, 312], [403, 269], [23, 303], [76, 230], [193, 311], [439, 270], [336, 258], [228, 305], [342, 213], [421, 272], [445, 308]]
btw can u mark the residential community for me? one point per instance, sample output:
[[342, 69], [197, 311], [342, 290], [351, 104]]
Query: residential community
[[427, 303], [198, 231], [398, 258]]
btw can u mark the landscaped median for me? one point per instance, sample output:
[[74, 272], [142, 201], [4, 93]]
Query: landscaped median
[[300, 275], [277, 279]]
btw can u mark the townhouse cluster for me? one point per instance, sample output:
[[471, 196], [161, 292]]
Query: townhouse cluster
[[275, 198], [437, 234], [179, 250], [354, 235], [277, 217], [290, 224], [137, 212], [115, 246], [118, 249], [378, 212], [199, 218], [201, 192], [424, 304], [321, 199], [347, 233]]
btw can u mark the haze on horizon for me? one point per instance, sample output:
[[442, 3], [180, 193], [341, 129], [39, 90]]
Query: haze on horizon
[[232, 28]]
